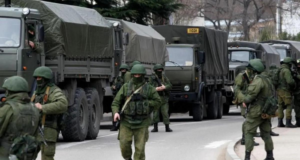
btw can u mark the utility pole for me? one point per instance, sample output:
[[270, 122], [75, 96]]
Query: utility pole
[[278, 17]]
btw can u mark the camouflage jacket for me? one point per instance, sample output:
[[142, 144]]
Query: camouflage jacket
[[151, 96], [118, 83], [286, 81], [165, 81], [56, 104], [241, 85], [256, 94]]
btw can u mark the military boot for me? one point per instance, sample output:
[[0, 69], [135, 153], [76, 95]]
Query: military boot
[[298, 122], [168, 129], [273, 133], [155, 129], [289, 124], [269, 155], [280, 123], [247, 155]]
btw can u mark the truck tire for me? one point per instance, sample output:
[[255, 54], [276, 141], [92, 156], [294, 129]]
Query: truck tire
[[94, 104], [198, 112], [212, 110], [76, 127], [220, 105]]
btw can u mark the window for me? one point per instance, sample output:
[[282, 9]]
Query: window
[[10, 32], [180, 56]]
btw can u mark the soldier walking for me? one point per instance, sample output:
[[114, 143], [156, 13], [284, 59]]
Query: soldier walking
[[18, 117], [256, 95], [162, 85], [118, 83], [137, 100], [284, 91], [50, 100]]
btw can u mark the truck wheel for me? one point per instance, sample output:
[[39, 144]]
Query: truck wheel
[[93, 101], [76, 127], [198, 111], [212, 110], [220, 105]]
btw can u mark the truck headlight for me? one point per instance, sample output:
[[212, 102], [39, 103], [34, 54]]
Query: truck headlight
[[26, 11], [187, 88]]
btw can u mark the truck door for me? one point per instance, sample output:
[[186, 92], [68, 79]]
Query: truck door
[[31, 58]]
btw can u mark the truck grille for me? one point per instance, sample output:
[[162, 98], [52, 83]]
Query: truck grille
[[176, 88]]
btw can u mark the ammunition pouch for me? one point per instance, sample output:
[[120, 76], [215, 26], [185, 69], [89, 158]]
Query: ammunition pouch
[[270, 106]]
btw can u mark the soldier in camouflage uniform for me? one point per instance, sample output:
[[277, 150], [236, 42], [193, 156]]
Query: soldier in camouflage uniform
[[127, 75], [118, 83], [242, 81], [297, 95], [32, 42], [17, 115], [163, 92], [51, 101], [137, 100], [257, 91], [284, 92]]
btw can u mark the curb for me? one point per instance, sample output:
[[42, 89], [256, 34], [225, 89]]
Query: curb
[[230, 152]]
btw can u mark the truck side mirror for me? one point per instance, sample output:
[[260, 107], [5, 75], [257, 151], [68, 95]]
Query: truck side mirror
[[41, 33], [201, 57]]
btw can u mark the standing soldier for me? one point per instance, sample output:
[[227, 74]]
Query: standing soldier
[[162, 85], [18, 117], [284, 91], [257, 92], [137, 100], [127, 76], [297, 95], [242, 82], [50, 100], [118, 83]]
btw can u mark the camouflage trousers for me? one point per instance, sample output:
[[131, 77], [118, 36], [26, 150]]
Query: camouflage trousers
[[140, 137], [297, 105], [284, 100], [48, 152], [164, 110], [243, 113], [251, 125]]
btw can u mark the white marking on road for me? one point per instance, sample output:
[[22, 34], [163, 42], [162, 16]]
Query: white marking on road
[[216, 144], [64, 146]]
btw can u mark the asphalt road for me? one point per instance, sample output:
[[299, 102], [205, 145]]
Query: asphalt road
[[205, 140]]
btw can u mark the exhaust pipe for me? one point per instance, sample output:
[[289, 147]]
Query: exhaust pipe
[[7, 3]]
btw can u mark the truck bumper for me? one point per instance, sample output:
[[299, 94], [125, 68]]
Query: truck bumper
[[186, 96]]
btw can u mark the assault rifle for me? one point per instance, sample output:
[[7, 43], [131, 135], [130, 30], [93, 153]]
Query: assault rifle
[[42, 135]]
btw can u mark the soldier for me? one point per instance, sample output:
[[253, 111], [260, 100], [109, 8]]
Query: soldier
[[127, 76], [139, 99], [34, 45], [50, 100], [242, 82], [18, 117], [118, 83], [257, 92], [297, 95], [162, 89], [284, 91]]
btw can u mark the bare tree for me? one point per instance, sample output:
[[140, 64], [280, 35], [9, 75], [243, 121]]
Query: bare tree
[[188, 13]]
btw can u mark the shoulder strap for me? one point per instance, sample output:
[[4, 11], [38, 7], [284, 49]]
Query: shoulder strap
[[129, 98]]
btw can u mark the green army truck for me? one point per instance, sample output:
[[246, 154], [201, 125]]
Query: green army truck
[[239, 54], [197, 69], [286, 48], [81, 47]]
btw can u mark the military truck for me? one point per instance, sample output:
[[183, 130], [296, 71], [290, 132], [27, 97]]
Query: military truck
[[239, 54], [286, 48], [197, 69], [81, 47]]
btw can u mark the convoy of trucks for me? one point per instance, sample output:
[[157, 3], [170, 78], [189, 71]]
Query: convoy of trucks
[[84, 51]]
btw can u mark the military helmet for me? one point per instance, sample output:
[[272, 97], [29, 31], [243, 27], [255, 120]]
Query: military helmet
[[287, 60], [16, 84], [43, 71], [134, 63], [256, 65], [124, 66], [138, 69], [158, 66]]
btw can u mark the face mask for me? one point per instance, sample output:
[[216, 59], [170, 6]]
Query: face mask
[[158, 73], [41, 83], [137, 80]]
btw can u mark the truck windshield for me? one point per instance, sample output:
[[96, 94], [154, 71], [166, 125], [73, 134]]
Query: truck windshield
[[10, 29], [282, 52], [241, 56], [179, 56]]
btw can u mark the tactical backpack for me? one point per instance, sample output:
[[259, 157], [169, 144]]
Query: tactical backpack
[[270, 106], [275, 78], [25, 147]]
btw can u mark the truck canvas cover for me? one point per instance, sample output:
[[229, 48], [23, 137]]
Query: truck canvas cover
[[212, 42], [75, 32], [294, 46]]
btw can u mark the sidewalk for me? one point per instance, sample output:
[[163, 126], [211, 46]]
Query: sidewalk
[[286, 146]]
